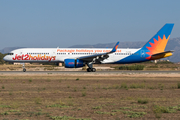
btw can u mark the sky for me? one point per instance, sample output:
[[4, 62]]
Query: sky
[[63, 23]]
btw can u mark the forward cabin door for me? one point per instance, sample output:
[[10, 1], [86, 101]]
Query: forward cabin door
[[21, 55]]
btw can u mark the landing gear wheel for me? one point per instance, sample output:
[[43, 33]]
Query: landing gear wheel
[[93, 69], [89, 70], [24, 70]]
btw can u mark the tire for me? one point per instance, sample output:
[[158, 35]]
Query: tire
[[93, 70], [88, 70], [24, 70]]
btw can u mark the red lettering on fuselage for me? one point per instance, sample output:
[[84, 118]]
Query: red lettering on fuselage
[[29, 57]]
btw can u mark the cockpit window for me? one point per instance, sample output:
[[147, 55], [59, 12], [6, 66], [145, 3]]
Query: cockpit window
[[10, 53]]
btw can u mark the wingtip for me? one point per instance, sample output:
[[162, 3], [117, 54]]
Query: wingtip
[[117, 43], [170, 24]]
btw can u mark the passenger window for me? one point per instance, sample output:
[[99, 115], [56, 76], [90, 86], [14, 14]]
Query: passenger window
[[10, 53]]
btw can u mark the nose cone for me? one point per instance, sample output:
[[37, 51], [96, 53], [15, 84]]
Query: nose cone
[[5, 58]]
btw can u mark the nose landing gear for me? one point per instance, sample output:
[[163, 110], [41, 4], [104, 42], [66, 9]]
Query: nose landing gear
[[24, 69]]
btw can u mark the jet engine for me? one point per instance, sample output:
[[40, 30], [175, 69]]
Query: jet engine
[[73, 63]]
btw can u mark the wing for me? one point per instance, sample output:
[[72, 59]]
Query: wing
[[97, 58]]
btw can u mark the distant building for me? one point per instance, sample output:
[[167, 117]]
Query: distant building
[[161, 60]]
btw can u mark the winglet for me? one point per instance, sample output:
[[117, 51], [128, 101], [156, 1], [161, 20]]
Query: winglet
[[115, 48]]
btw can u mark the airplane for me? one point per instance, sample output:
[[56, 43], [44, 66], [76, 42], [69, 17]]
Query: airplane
[[79, 57]]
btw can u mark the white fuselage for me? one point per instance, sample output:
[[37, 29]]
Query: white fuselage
[[60, 54]]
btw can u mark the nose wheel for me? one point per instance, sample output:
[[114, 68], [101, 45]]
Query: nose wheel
[[24, 69]]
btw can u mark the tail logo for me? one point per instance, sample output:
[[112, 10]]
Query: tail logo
[[158, 46]]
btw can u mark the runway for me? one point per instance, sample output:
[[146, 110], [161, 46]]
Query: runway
[[87, 73]]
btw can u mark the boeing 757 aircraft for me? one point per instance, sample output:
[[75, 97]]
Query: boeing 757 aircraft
[[79, 57]]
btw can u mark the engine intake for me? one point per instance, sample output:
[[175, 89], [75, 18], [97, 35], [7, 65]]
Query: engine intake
[[73, 63]]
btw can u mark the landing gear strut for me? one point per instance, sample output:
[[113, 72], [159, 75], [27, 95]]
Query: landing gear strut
[[24, 69], [90, 69]]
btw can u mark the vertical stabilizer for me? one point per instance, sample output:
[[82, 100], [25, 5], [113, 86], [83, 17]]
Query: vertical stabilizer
[[158, 42]]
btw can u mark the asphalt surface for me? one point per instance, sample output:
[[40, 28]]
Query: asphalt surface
[[84, 72]]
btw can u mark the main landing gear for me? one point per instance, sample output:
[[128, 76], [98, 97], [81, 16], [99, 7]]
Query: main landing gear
[[24, 69], [90, 69]]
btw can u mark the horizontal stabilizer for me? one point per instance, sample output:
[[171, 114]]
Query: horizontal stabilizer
[[161, 55], [163, 52]]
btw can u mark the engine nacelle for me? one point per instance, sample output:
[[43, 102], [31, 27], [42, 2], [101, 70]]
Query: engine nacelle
[[73, 63]]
